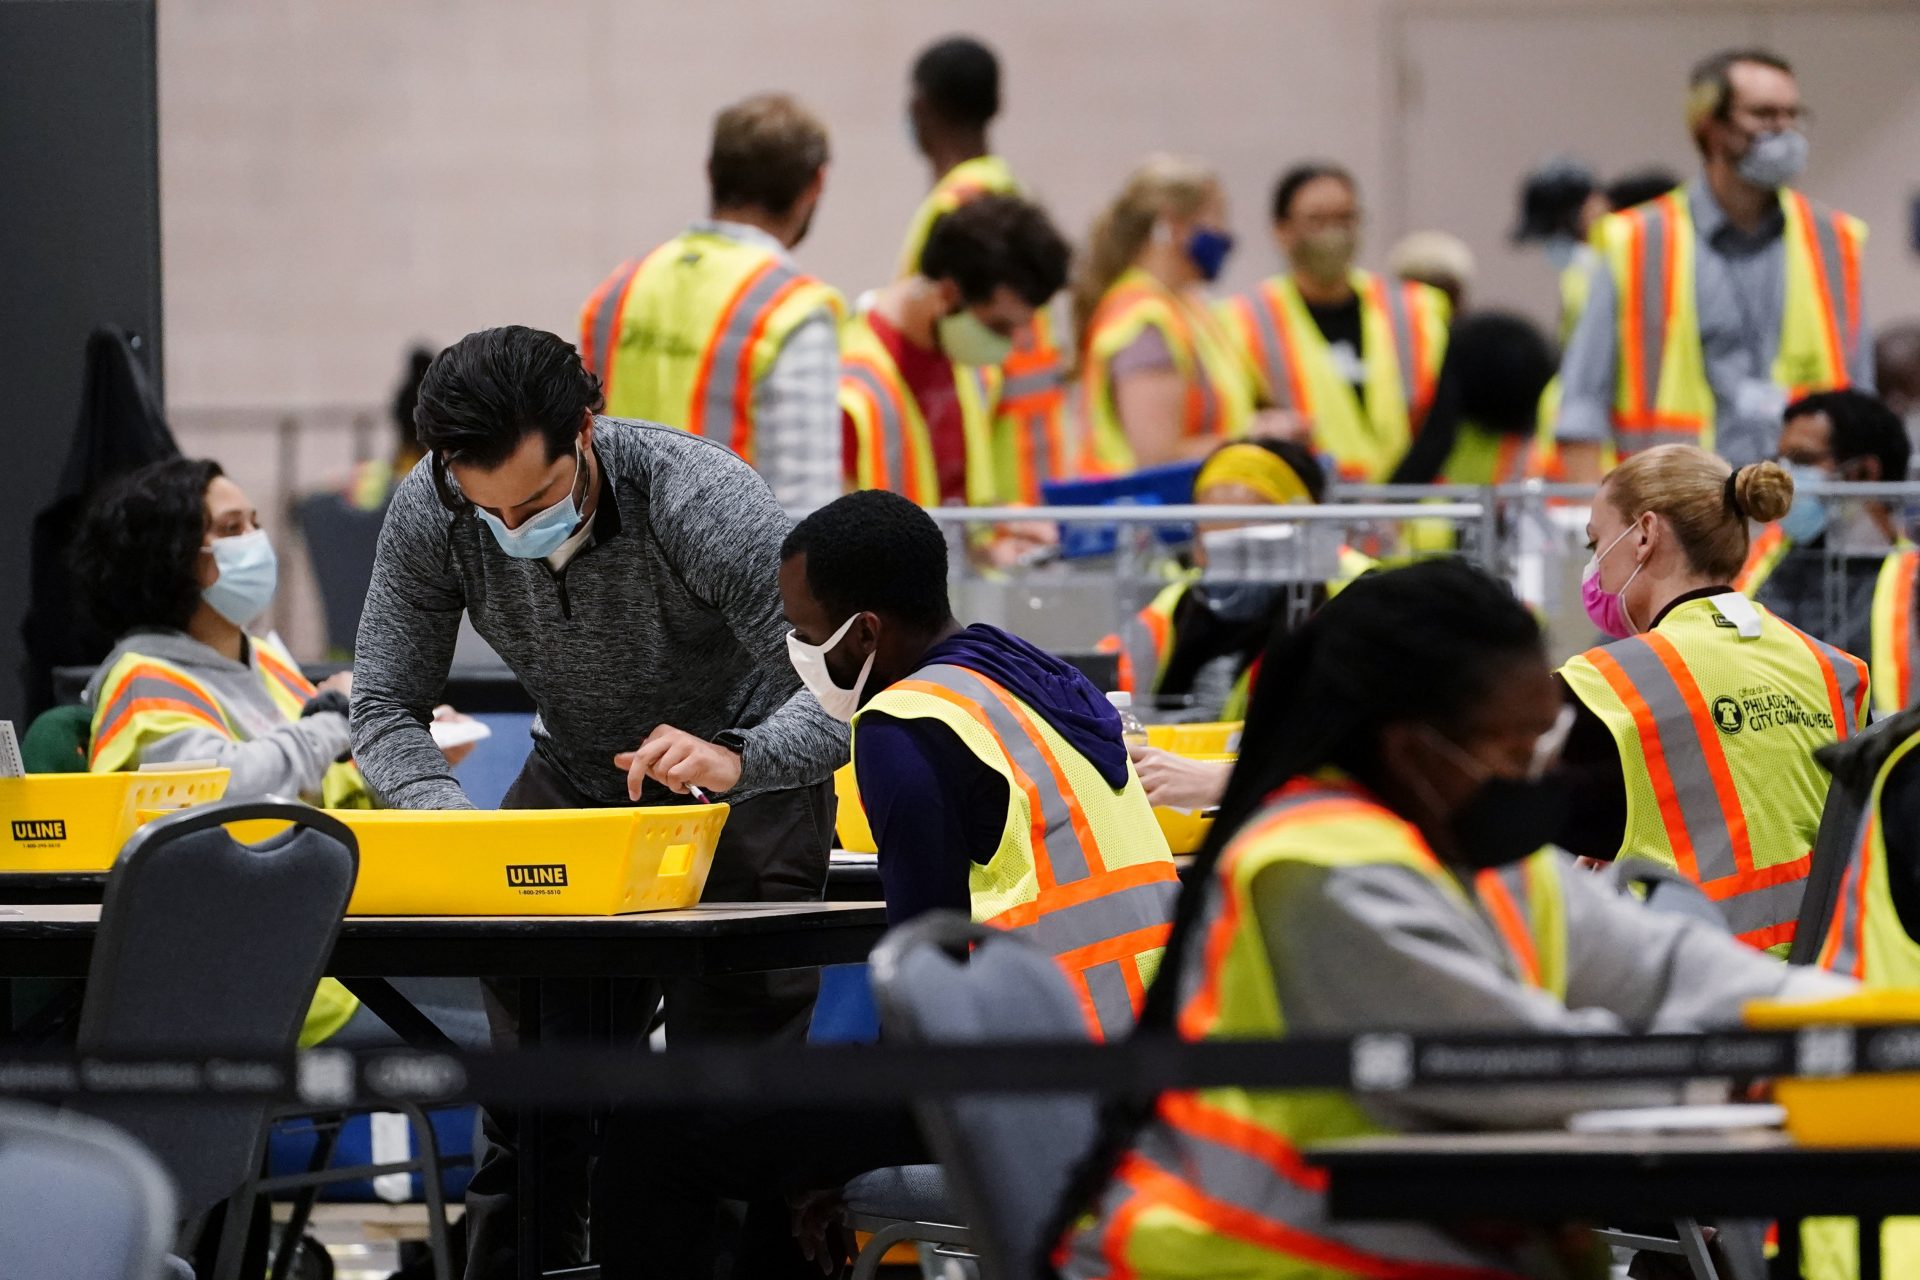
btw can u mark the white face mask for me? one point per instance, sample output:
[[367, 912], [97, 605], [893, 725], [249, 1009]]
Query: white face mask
[[810, 660]]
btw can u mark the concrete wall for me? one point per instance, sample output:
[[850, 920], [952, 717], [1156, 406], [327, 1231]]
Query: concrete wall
[[342, 177]]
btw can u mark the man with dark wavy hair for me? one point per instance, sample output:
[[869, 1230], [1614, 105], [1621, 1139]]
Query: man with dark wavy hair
[[627, 574]]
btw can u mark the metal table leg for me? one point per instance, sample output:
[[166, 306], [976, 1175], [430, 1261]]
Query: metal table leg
[[527, 1144]]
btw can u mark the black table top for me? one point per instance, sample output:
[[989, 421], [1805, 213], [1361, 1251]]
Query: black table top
[[1576, 1177], [55, 940]]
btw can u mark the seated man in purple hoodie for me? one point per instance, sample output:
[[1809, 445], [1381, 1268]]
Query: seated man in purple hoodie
[[994, 775]]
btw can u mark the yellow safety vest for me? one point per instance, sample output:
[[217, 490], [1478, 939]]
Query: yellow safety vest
[[144, 698], [1145, 644], [1403, 339], [892, 445], [1866, 940], [1215, 1183], [684, 335], [1030, 443], [1082, 869], [1481, 456], [1716, 715], [1661, 392], [1896, 643], [1220, 387]]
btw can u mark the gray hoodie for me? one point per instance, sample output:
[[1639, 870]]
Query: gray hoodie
[[273, 755], [670, 615]]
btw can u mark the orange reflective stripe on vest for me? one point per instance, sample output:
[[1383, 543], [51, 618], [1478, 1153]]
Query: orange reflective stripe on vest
[[1202, 405], [1834, 253], [291, 679], [723, 388], [600, 322], [889, 446], [1094, 920], [1844, 949], [146, 687], [1763, 557], [1647, 304], [1229, 1190], [1141, 645], [1896, 646], [1493, 892], [1409, 345], [1700, 807]]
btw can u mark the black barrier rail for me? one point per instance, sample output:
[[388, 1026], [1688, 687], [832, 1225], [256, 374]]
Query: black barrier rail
[[850, 1074]]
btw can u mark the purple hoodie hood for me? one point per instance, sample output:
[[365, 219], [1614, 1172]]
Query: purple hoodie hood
[[1063, 697]]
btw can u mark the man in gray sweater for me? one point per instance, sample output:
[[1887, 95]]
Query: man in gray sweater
[[627, 574]]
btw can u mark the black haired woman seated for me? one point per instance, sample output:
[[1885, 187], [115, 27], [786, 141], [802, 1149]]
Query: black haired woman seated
[[1378, 866]]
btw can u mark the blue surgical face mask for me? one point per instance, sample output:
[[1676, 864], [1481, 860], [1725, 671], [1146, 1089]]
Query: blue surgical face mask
[[1208, 250], [249, 573], [1774, 159], [1561, 250], [1808, 517], [540, 536]]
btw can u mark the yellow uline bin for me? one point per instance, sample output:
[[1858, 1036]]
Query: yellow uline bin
[[79, 821], [1849, 1111], [532, 862], [1198, 740]]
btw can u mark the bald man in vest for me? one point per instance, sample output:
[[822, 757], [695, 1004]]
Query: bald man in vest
[[716, 331], [1713, 306]]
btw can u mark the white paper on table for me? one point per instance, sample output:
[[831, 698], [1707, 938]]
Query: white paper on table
[[1718, 1118], [448, 734]]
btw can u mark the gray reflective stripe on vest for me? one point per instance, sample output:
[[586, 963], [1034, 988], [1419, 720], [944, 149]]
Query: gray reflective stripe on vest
[[1112, 1001], [1273, 355], [1063, 849], [1136, 641], [606, 319], [1705, 822], [1653, 314], [1633, 440], [893, 431], [145, 687], [1767, 906], [1848, 918], [1193, 962], [730, 352], [1401, 322], [1846, 676], [1211, 420], [1254, 1186], [1038, 382], [1114, 914], [1826, 234]]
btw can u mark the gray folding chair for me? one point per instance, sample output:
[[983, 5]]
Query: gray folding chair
[[207, 944], [79, 1200], [1007, 1159]]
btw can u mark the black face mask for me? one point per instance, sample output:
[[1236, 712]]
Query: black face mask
[[1505, 819], [1240, 602]]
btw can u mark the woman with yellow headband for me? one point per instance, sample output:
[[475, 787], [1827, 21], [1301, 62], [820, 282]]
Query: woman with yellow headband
[[1198, 639]]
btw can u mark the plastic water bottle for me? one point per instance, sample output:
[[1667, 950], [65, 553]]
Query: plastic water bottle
[[1130, 727]]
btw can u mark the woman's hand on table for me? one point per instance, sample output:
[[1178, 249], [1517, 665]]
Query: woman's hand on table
[[1175, 782]]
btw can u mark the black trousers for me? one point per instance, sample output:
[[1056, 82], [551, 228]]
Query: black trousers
[[665, 1170], [774, 849]]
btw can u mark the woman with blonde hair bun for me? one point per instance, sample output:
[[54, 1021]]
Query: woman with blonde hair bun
[[1162, 381], [1694, 733]]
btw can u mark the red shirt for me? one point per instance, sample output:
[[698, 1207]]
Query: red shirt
[[929, 378]]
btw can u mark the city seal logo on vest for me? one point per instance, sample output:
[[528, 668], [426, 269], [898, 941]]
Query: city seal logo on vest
[[42, 831], [1727, 715], [535, 877]]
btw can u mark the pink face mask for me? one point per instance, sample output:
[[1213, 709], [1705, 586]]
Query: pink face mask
[[1607, 609]]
